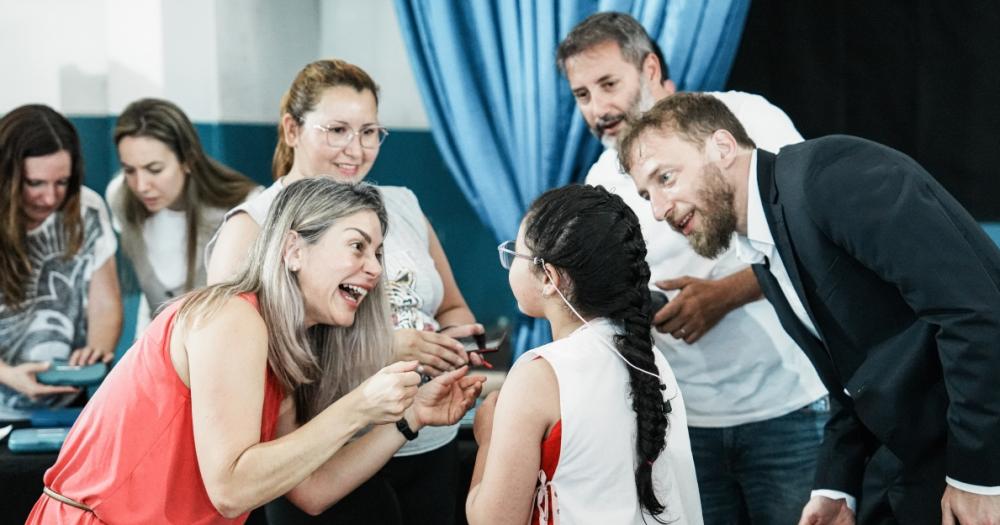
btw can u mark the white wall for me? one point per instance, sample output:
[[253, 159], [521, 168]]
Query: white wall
[[53, 52], [367, 34], [220, 60]]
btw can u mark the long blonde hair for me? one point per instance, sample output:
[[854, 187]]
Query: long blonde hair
[[303, 95], [209, 183], [321, 364]]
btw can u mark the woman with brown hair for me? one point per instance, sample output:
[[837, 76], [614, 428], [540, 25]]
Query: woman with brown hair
[[173, 198], [247, 390], [329, 127], [59, 295]]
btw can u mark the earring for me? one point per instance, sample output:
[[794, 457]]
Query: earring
[[294, 268]]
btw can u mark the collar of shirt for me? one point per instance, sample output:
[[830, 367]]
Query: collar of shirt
[[758, 243]]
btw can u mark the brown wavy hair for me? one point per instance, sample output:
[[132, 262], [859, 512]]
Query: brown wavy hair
[[33, 130], [209, 183], [303, 95]]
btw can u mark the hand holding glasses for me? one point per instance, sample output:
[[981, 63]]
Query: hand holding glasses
[[340, 135], [480, 344]]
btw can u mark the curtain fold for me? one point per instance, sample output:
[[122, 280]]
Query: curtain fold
[[502, 115]]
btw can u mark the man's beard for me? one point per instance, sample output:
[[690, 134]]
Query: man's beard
[[718, 215], [642, 102]]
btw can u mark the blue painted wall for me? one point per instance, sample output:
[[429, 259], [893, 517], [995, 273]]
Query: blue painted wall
[[407, 158]]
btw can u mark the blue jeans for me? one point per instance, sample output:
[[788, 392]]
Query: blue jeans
[[761, 472]]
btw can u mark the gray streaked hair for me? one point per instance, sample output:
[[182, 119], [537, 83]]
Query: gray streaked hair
[[321, 364], [633, 40]]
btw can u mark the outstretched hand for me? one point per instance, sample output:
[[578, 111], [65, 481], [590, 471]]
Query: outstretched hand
[[822, 510], [447, 398], [89, 355], [438, 352], [699, 306], [966, 508], [22, 378], [384, 396]]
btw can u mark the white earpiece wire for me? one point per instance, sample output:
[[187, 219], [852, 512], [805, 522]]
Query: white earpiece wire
[[606, 343]]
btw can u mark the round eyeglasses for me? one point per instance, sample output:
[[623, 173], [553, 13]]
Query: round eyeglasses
[[507, 255], [339, 135]]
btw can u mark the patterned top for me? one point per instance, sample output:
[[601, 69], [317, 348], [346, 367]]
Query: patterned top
[[52, 321], [414, 288]]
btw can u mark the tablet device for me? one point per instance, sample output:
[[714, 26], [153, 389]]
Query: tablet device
[[63, 374], [55, 417], [25, 440]]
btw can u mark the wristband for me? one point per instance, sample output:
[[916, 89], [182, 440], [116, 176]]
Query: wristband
[[405, 429]]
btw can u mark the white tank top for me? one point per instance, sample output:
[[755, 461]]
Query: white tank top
[[594, 480]]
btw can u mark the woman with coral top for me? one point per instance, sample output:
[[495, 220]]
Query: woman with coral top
[[244, 391], [600, 399]]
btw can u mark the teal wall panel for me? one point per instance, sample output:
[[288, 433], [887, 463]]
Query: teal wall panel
[[993, 230], [407, 158]]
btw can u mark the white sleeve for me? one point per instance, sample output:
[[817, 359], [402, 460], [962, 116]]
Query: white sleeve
[[768, 126], [974, 489], [110, 194], [852, 502], [607, 171], [107, 243]]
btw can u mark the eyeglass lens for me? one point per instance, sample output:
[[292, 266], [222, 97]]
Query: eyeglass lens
[[340, 136], [506, 250]]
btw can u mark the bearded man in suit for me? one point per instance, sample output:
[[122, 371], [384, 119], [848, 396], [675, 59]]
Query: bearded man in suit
[[885, 282]]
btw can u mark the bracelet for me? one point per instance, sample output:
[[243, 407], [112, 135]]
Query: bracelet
[[405, 429]]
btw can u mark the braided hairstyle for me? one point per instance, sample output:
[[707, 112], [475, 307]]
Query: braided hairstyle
[[594, 240]]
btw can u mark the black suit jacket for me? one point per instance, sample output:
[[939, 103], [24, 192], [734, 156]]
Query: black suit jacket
[[903, 287]]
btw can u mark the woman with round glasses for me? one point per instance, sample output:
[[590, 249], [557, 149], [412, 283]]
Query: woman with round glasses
[[329, 127], [590, 428]]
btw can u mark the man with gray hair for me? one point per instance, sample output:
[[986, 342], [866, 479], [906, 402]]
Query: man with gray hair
[[756, 408]]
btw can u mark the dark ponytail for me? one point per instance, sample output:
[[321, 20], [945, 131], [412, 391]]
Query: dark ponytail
[[594, 239]]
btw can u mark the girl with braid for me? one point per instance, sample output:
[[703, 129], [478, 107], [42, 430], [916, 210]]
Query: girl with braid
[[591, 427]]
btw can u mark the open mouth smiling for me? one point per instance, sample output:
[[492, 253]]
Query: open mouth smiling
[[354, 292], [682, 224]]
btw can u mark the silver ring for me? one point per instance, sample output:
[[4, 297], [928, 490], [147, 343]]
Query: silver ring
[[683, 331]]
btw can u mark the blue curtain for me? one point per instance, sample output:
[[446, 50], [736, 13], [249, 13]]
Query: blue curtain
[[502, 115]]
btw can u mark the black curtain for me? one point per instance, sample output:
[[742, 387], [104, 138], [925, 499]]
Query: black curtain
[[921, 76]]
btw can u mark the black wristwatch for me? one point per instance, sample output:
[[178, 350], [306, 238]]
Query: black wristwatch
[[405, 429]]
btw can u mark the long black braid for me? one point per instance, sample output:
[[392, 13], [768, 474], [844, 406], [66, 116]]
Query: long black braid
[[594, 240]]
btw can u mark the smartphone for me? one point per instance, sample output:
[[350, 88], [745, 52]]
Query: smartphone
[[658, 300], [483, 344], [62, 373]]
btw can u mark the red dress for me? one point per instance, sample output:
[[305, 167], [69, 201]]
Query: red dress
[[130, 456], [544, 498]]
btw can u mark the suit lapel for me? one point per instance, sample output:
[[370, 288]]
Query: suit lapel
[[775, 214], [814, 347]]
